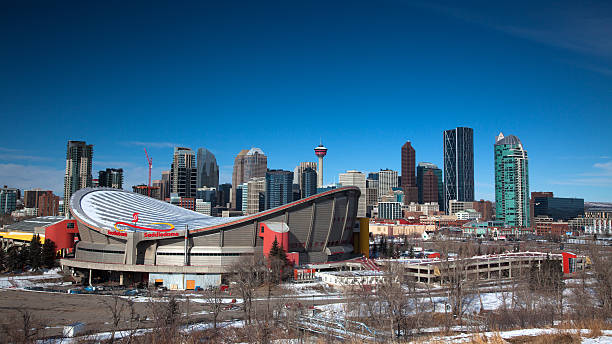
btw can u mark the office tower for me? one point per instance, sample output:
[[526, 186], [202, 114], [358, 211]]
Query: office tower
[[203, 207], [308, 182], [557, 208], [111, 178], [223, 194], [320, 152], [183, 173], [208, 195], [297, 175], [458, 165], [390, 210], [278, 188], [255, 196], [158, 184], [428, 191], [534, 195], [372, 190], [387, 180], [485, 208], [79, 157], [165, 187], [248, 164], [240, 197], [48, 204], [358, 179], [511, 182], [408, 178], [8, 200], [208, 170], [30, 197]]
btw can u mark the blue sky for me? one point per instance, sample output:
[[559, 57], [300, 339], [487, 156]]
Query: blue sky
[[363, 76]]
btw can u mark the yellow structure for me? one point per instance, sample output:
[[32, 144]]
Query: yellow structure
[[364, 236], [21, 236]]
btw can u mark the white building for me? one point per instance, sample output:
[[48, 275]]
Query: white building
[[387, 179], [455, 206], [203, 207], [390, 210], [358, 179], [469, 214], [351, 278]]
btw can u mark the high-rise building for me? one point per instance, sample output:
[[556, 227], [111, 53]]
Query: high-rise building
[[458, 165], [183, 173], [408, 180], [111, 178], [511, 182], [299, 170], [208, 195], [358, 179], [429, 183], [8, 200], [390, 210], [223, 194], [255, 196], [320, 152], [48, 204], [208, 170], [557, 208], [485, 208], [79, 157], [158, 184], [308, 182], [31, 197], [248, 164], [279, 186], [387, 180], [165, 187]]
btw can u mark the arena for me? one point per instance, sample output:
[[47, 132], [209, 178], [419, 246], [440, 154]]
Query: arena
[[135, 238]]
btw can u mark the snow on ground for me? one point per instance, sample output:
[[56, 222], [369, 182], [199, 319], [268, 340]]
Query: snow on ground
[[466, 337], [22, 281]]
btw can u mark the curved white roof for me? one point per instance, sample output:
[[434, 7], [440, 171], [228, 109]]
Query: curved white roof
[[104, 207]]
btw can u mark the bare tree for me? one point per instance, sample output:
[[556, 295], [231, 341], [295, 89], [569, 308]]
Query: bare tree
[[115, 306], [247, 275], [214, 300]]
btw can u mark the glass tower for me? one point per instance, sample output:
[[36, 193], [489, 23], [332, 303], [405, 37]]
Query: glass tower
[[279, 188], [458, 165], [511, 182], [208, 170]]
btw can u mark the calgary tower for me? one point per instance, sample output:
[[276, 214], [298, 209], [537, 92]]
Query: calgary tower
[[320, 151]]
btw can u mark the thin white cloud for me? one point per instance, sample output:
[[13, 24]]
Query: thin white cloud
[[154, 144], [10, 150], [28, 176], [13, 156]]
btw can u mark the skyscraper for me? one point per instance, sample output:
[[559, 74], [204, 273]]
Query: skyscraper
[[387, 179], [429, 183], [255, 196], [297, 174], [79, 157], [165, 185], [308, 182], [247, 165], [208, 170], [458, 165], [279, 188], [8, 200], [358, 179], [183, 173], [408, 181], [111, 178], [511, 181]]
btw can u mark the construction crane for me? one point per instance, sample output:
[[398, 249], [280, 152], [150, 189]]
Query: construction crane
[[150, 161]]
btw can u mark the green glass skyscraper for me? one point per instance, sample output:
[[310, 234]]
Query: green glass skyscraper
[[511, 182]]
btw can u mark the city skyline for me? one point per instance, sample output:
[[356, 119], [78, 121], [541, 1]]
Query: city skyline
[[433, 67]]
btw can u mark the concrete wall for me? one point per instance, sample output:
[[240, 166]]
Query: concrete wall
[[179, 281]]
